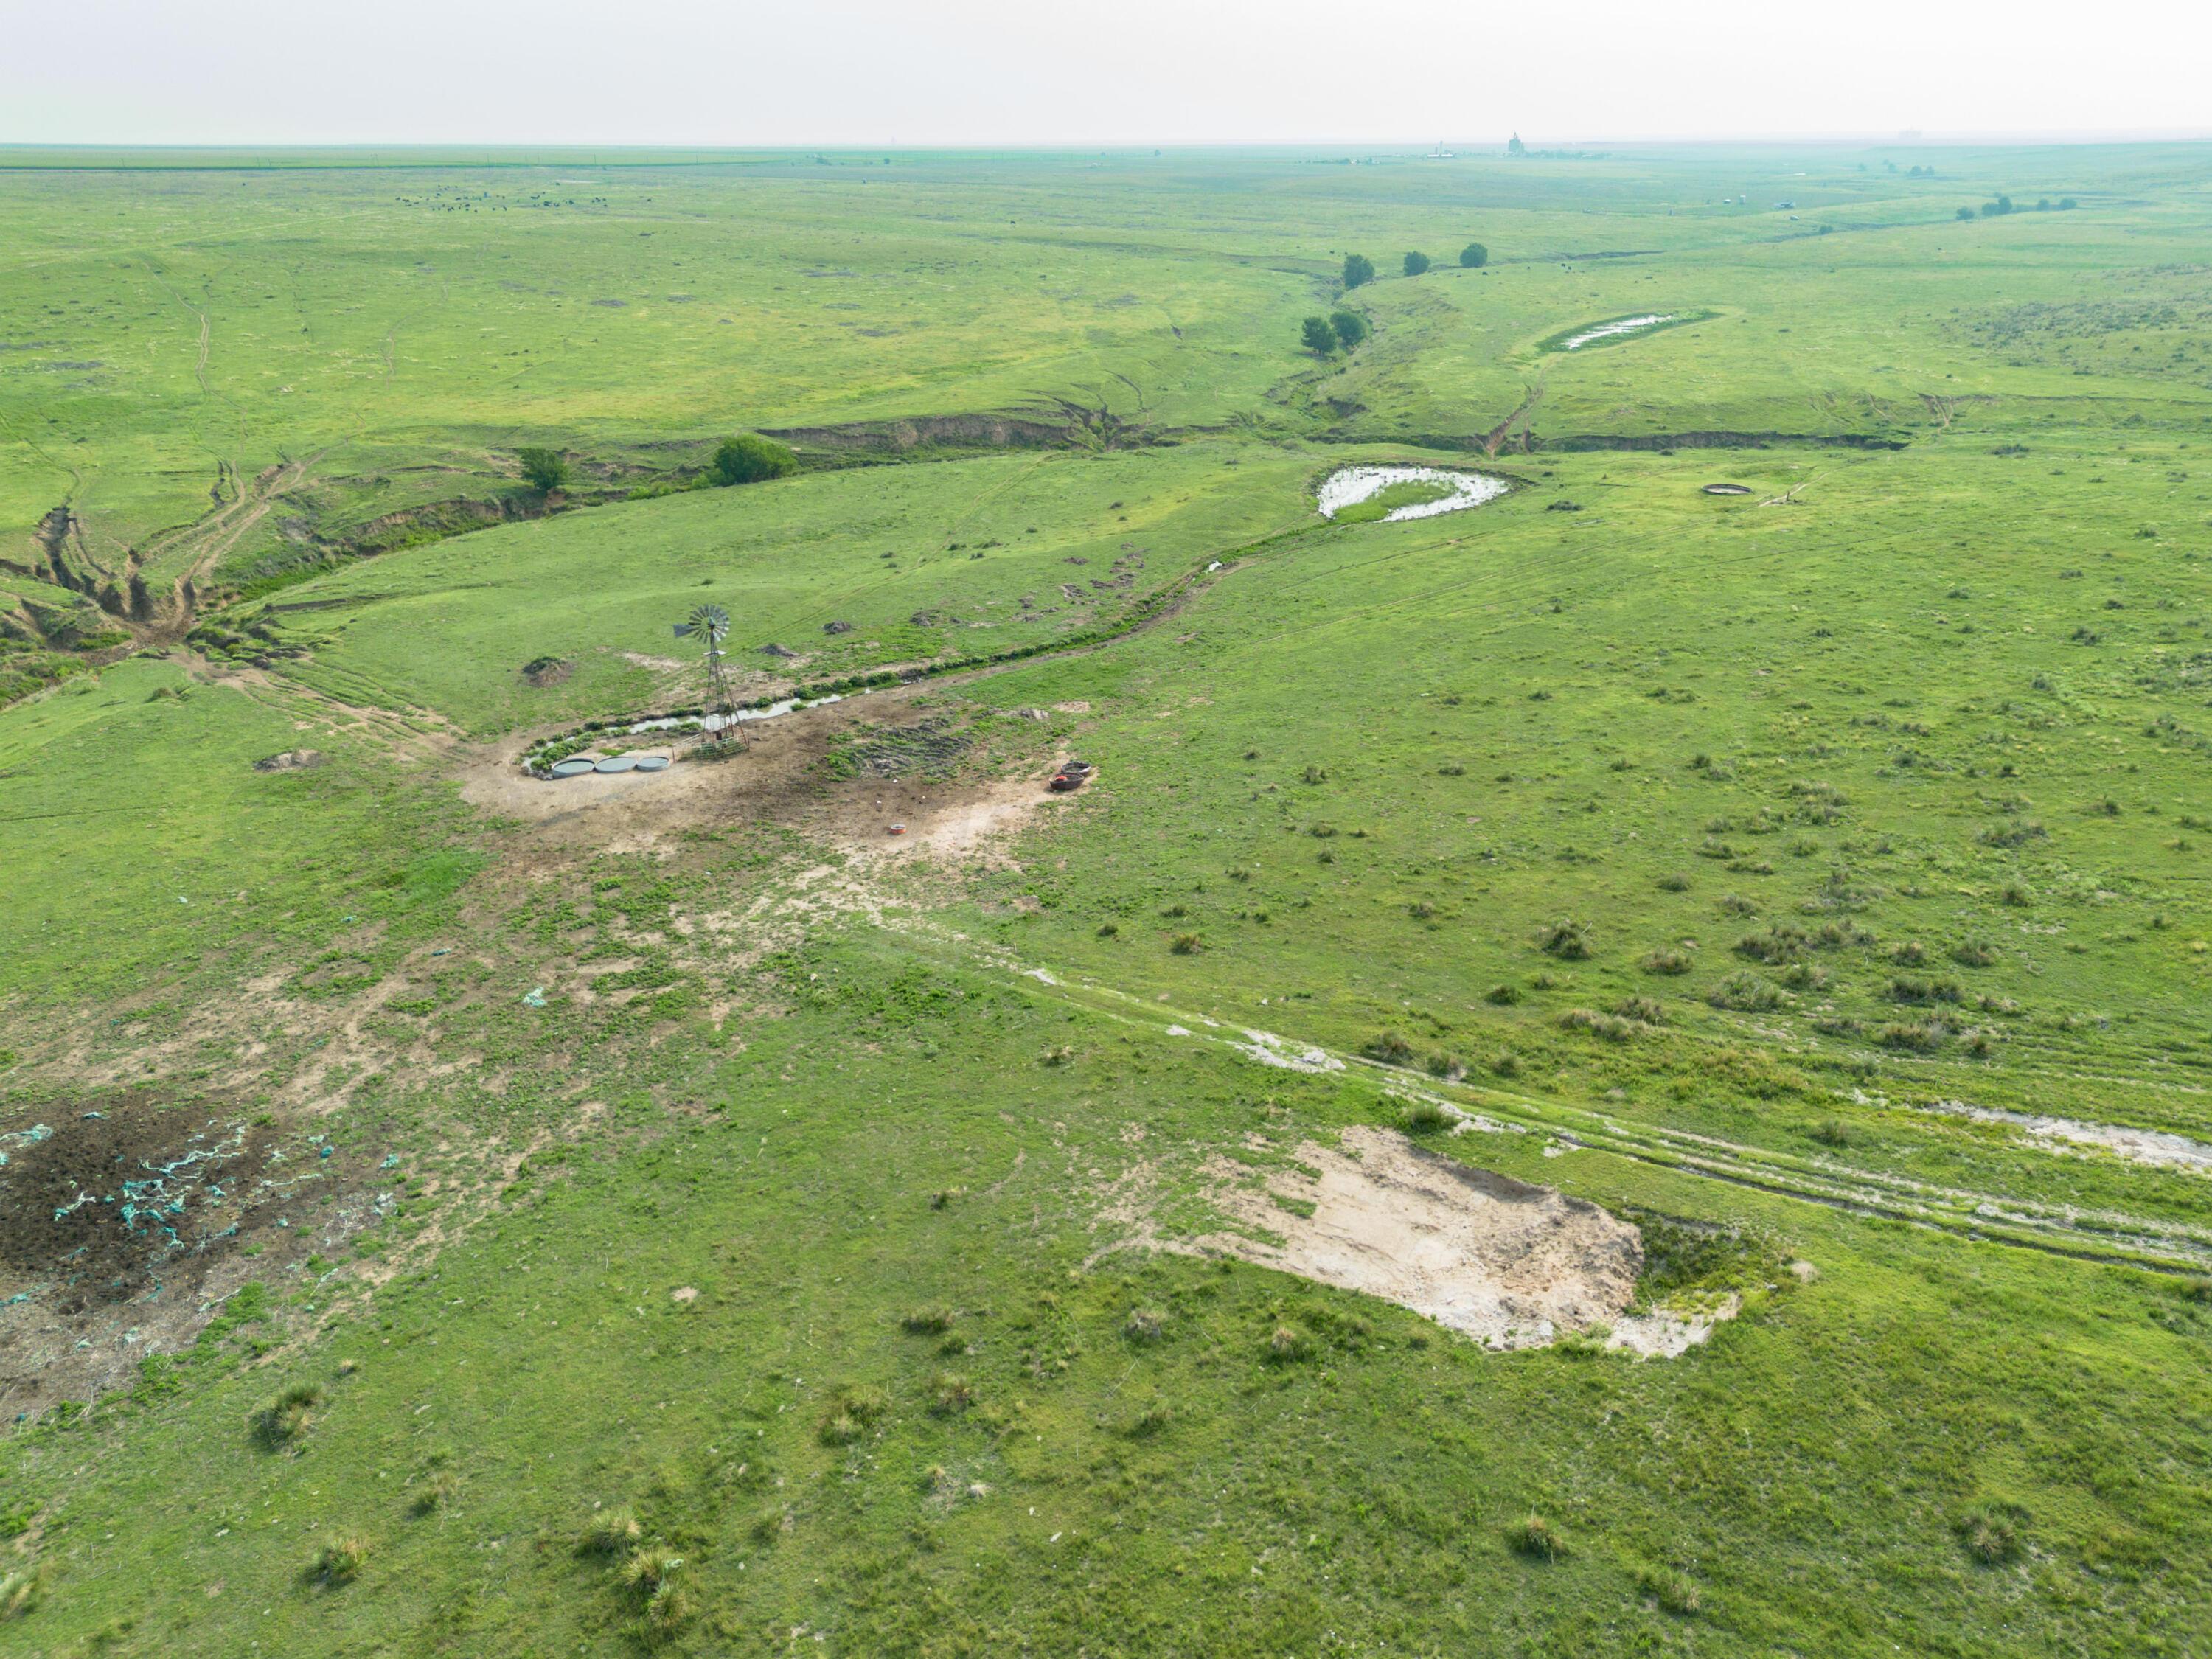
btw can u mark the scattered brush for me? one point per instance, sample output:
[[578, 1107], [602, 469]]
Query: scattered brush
[[1535, 1537]]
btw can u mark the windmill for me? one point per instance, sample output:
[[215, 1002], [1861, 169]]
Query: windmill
[[711, 623]]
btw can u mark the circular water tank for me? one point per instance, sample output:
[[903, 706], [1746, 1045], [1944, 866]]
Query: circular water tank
[[653, 762], [616, 764], [571, 768]]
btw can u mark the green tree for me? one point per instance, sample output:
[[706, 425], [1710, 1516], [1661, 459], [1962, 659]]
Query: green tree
[[1320, 338], [1473, 257], [1357, 269], [1966, 213], [2067, 204], [543, 468], [1416, 263], [1349, 327], [747, 459]]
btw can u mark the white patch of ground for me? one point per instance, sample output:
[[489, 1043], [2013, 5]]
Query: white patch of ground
[[1350, 485], [1608, 330], [1665, 1335], [1271, 1050], [1511, 1264], [2153, 1146]]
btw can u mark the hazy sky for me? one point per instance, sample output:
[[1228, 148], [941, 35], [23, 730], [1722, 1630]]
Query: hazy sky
[[1130, 72]]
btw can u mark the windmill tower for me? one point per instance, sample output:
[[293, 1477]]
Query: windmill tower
[[711, 624]]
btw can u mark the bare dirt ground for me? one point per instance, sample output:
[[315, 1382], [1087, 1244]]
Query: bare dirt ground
[[125, 1220], [780, 779], [1509, 1264]]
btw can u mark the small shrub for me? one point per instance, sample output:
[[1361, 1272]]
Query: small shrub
[[1187, 944], [1973, 953], [1644, 1009], [1567, 940], [1288, 1345], [1504, 996], [1060, 1056], [1831, 1132], [1673, 1591], [610, 1532], [1734, 904], [1920, 1038], [1674, 883], [933, 1321], [1911, 954], [1445, 1066], [2015, 896], [1390, 1049], [543, 470], [339, 1561], [1535, 1537], [1108, 929], [1805, 976], [1598, 1025], [1506, 1064], [1315, 775], [950, 1393], [1667, 962], [1910, 989], [750, 459]]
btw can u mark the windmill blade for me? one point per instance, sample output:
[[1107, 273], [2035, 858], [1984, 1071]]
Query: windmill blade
[[683, 630]]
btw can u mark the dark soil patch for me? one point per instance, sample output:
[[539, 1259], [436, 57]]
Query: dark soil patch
[[125, 1220], [547, 670]]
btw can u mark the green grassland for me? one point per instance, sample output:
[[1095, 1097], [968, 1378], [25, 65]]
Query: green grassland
[[1740, 861]]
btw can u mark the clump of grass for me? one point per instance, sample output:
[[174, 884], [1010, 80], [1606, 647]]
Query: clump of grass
[[2015, 896], [1154, 1418], [649, 1567], [950, 1393], [1444, 1064], [852, 1409], [1390, 1049], [1644, 1009], [1566, 939], [1534, 1536], [1665, 961], [1805, 976], [1315, 775], [1907, 988], [1973, 953], [931, 1321], [1108, 929], [21, 1590], [667, 1609], [1674, 883], [436, 1491], [1673, 1591], [1734, 904], [339, 1561], [1783, 942], [287, 1417], [1603, 1026], [1187, 944], [1422, 1117], [1921, 1037], [1145, 1325], [1506, 1063], [610, 1532], [1832, 1132], [1745, 992], [1909, 954], [1988, 1536], [1504, 996], [1060, 1056], [1288, 1345]]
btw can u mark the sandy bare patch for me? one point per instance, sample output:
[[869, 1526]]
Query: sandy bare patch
[[1512, 1264]]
